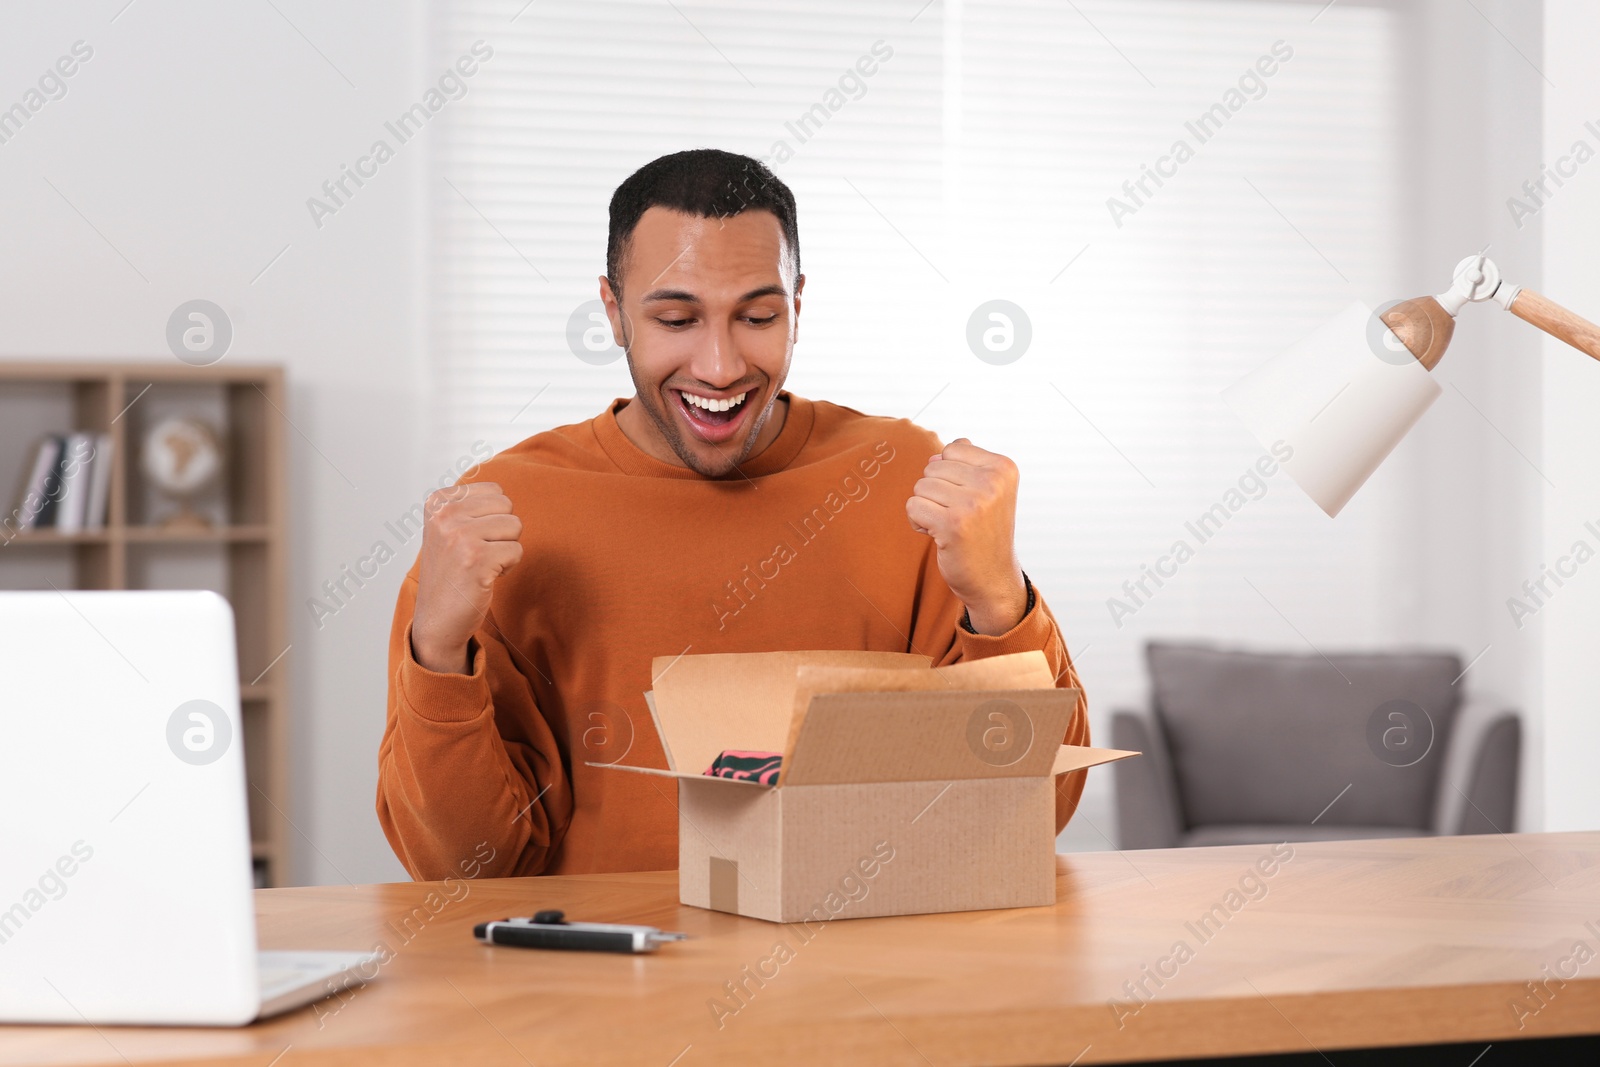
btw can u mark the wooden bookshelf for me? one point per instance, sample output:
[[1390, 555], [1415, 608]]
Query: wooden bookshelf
[[244, 556]]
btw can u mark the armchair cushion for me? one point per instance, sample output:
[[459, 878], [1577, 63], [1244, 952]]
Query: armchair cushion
[[1273, 738], [1148, 815], [1478, 783]]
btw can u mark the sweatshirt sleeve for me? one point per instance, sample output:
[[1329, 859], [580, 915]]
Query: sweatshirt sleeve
[[938, 631], [467, 761]]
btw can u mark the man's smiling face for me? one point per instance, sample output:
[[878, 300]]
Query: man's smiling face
[[708, 313]]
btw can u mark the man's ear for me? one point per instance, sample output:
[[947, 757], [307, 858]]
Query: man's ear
[[799, 284], [619, 334]]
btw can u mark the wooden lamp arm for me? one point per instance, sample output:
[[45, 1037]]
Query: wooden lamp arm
[[1424, 325], [1555, 320]]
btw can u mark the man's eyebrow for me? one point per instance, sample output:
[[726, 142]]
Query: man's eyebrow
[[669, 294], [765, 290], [684, 296]]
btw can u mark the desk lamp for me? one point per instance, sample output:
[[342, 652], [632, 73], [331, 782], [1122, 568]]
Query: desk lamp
[[1344, 396]]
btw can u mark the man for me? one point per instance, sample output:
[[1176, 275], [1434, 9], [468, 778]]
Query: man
[[711, 512]]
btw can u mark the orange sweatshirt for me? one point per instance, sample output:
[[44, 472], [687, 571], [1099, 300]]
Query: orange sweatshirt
[[627, 558]]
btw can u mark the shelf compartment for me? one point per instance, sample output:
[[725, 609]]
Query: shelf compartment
[[161, 535]]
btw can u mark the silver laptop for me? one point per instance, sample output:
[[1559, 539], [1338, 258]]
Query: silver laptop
[[125, 860]]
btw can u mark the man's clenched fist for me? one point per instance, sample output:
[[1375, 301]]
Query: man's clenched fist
[[966, 501], [469, 539]]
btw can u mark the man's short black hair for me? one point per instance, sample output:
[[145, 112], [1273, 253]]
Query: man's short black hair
[[701, 181]]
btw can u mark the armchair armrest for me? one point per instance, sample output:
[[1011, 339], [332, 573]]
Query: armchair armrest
[[1148, 812], [1478, 782]]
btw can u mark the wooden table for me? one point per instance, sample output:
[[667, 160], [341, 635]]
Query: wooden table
[[1345, 945]]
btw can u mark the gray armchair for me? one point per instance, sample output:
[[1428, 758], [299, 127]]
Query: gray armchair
[[1248, 747]]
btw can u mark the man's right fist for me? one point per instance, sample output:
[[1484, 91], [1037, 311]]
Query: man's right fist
[[469, 539]]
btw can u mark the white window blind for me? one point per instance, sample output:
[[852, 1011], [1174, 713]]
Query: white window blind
[[975, 164]]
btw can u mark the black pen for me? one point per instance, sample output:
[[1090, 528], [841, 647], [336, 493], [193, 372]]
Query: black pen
[[549, 929]]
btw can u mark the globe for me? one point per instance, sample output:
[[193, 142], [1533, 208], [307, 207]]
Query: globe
[[182, 458]]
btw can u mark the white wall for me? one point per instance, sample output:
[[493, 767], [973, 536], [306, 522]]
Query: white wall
[[191, 140], [1478, 474], [1570, 625]]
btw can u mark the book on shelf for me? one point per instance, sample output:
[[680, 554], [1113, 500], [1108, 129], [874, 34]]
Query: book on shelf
[[36, 472], [99, 483], [64, 485], [76, 458]]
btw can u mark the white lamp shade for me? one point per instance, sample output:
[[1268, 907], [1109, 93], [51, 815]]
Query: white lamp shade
[[1336, 404]]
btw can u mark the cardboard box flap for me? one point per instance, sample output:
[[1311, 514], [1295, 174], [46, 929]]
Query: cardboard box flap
[[678, 774], [708, 703], [1077, 757], [1019, 670], [655, 718], [928, 735]]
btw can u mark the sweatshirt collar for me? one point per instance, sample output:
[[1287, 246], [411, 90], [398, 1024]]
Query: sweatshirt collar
[[630, 459]]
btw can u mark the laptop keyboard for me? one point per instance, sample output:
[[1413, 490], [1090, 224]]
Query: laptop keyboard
[[275, 980], [280, 972]]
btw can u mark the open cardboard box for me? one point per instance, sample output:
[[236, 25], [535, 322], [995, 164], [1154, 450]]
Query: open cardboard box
[[904, 789]]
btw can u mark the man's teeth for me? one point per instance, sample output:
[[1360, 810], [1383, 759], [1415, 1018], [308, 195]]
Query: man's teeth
[[714, 405]]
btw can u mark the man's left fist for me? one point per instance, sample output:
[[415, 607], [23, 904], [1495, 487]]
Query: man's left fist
[[966, 500]]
